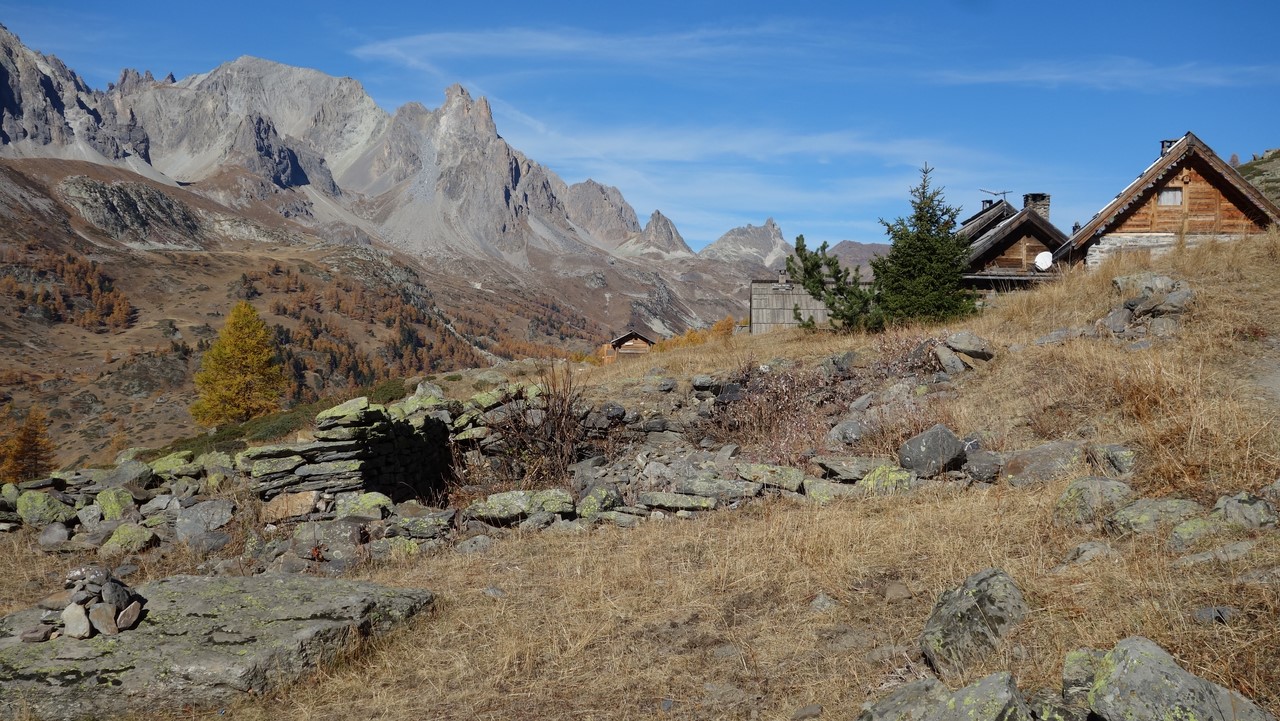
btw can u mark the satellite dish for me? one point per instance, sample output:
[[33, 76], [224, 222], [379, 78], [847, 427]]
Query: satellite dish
[[1044, 261]]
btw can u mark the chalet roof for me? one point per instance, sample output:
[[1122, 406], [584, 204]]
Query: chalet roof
[[629, 335], [983, 220], [1186, 147], [1009, 227]]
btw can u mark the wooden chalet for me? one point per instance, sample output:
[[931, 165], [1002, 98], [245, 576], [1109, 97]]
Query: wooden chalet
[[630, 343], [1004, 242], [1187, 195]]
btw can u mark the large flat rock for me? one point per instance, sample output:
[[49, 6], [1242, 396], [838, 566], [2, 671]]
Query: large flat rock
[[201, 642]]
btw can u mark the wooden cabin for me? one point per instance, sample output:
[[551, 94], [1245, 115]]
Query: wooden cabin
[[628, 344], [1187, 195], [1004, 243]]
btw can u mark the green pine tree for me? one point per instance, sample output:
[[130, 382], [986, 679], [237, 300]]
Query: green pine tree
[[240, 376], [849, 305], [920, 277]]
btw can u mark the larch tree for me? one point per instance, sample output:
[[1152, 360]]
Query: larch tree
[[920, 278], [27, 454], [240, 376]]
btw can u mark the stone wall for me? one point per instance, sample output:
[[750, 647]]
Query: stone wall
[[401, 451], [1155, 243]]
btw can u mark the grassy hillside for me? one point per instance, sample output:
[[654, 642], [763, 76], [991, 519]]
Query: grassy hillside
[[714, 618]]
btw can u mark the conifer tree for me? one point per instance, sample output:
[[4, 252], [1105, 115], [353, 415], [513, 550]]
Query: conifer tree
[[240, 376], [920, 277], [28, 453], [849, 305]]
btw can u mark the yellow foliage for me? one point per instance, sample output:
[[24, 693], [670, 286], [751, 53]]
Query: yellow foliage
[[722, 329], [26, 453], [240, 376]]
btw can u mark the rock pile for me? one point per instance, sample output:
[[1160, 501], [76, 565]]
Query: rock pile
[[92, 601], [1152, 309]]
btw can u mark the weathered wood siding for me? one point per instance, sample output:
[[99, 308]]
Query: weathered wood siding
[[1206, 208], [1019, 256], [634, 346], [773, 304]]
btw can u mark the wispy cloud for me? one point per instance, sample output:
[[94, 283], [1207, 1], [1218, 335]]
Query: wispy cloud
[[1117, 73], [768, 47]]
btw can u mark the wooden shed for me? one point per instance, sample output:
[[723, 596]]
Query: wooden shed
[[773, 304], [1004, 243], [1187, 195], [630, 343]]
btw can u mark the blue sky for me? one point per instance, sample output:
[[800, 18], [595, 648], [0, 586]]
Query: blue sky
[[721, 114]]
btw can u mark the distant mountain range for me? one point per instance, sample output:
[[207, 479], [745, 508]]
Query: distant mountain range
[[316, 156]]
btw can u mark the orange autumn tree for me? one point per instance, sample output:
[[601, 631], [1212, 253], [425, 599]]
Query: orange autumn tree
[[240, 376], [26, 453]]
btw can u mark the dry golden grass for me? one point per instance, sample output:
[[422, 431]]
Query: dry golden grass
[[714, 614]]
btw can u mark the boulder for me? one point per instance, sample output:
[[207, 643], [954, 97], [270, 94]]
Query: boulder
[[1146, 515], [203, 642], [1139, 680], [969, 622], [788, 479], [1193, 530], [365, 505], [983, 466], [847, 432], [598, 498], [202, 518], [949, 361], [970, 344], [886, 479], [1042, 463], [513, 506], [1090, 499], [676, 501], [824, 492], [39, 509], [134, 473], [114, 502], [721, 488], [289, 505], [909, 702], [1245, 510], [849, 469], [994, 698], [128, 538], [932, 452]]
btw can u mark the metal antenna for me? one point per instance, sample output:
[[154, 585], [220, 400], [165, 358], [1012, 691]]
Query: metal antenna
[[1004, 194]]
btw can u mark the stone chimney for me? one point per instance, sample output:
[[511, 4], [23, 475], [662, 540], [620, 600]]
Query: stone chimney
[[1039, 202], [782, 277], [1166, 145]]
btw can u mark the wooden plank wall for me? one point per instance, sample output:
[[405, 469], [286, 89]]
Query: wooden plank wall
[[1020, 255], [772, 306], [1205, 208]]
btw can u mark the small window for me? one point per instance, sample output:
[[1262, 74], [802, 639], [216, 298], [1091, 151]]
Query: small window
[[1171, 196]]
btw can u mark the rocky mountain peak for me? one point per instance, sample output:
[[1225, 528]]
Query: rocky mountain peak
[[601, 211], [749, 243], [476, 114], [659, 240]]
